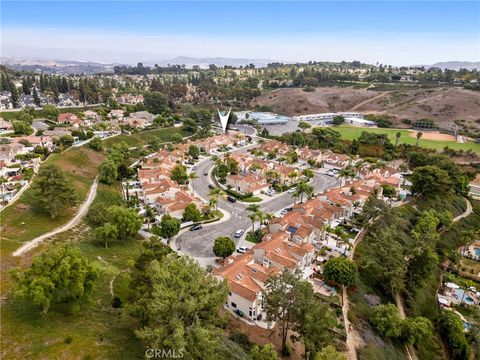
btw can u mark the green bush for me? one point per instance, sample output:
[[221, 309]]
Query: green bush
[[241, 339], [238, 195]]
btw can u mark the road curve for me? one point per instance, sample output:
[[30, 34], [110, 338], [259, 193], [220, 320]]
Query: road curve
[[200, 243]]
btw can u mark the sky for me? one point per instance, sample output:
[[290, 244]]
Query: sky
[[388, 32]]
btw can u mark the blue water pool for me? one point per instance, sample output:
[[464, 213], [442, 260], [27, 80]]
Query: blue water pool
[[459, 293], [477, 251]]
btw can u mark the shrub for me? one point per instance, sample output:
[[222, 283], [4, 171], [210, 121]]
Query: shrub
[[242, 340], [116, 302]]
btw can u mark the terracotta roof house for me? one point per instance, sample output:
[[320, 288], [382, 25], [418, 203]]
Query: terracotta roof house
[[246, 274], [246, 182], [176, 202], [246, 281], [91, 115], [69, 118], [116, 114]]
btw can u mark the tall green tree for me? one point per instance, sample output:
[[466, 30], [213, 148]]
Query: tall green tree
[[431, 181], [156, 102], [189, 326], [108, 172], [386, 321], [303, 188], [106, 233], [191, 213], [179, 174], [289, 301], [22, 128], [223, 247], [169, 227], [51, 112], [193, 151], [52, 192], [60, 276], [340, 271], [451, 330], [126, 221]]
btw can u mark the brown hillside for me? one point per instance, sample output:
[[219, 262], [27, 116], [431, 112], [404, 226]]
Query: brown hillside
[[443, 105]]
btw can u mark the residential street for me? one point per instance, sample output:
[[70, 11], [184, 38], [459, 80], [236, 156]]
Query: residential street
[[199, 244]]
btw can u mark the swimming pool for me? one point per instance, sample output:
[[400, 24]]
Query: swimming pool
[[477, 251], [466, 299]]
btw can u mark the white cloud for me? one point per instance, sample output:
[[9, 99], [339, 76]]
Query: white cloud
[[393, 48]]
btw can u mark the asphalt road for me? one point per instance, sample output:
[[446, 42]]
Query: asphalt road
[[198, 244]]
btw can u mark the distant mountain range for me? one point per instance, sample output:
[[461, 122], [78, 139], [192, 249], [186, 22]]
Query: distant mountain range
[[455, 65], [217, 61], [50, 66], [92, 67]]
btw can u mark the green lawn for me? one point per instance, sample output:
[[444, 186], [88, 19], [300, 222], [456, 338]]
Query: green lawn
[[352, 132], [141, 138]]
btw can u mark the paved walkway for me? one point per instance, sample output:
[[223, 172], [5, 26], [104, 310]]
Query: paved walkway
[[82, 211]]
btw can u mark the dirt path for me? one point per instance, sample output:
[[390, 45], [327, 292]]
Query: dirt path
[[74, 221], [359, 105]]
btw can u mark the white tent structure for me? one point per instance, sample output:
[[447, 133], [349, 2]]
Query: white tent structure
[[224, 118]]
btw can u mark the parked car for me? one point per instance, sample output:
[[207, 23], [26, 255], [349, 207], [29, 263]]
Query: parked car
[[292, 190], [239, 233], [242, 249], [284, 212], [270, 192], [239, 312], [205, 173], [210, 186], [196, 227], [231, 199], [194, 167]]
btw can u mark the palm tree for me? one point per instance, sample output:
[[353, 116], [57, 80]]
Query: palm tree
[[303, 189], [149, 215], [214, 195], [397, 137], [254, 210], [272, 176], [467, 237], [345, 173], [419, 135]]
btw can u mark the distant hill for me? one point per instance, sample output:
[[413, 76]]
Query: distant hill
[[455, 65], [50, 66], [217, 61]]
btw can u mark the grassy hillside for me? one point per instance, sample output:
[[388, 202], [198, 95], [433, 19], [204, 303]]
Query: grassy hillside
[[97, 331]]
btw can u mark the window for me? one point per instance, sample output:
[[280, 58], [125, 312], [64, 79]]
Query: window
[[233, 305]]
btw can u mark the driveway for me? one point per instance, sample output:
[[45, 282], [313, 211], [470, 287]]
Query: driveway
[[199, 244]]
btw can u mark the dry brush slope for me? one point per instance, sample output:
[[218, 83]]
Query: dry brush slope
[[444, 105]]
